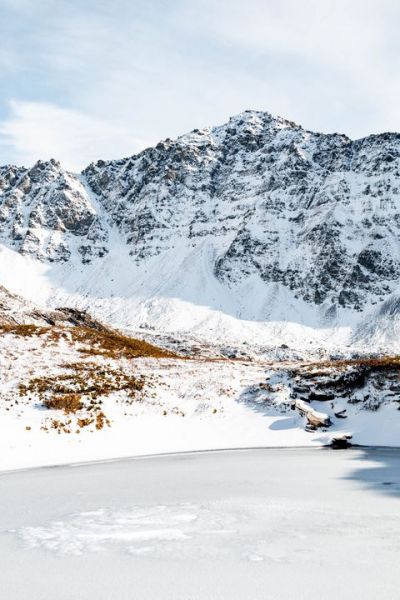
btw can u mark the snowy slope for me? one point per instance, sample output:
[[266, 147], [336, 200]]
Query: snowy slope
[[255, 231]]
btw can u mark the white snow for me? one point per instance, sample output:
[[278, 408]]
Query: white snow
[[287, 524], [187, 405], [175, 293], [197, 404]]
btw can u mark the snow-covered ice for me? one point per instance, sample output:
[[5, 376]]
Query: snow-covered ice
[[287, 524]]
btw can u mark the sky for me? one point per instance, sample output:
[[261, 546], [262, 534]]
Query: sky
[[87, 79]]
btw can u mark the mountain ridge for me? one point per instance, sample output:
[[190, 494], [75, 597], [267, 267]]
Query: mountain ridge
[[257, 219]]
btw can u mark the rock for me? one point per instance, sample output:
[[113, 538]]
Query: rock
[[341, 414], [314, 418], [341, 441], [310, 428], [321, 397], [370, 381]]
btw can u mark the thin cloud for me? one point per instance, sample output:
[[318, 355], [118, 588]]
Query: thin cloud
[[38, 129], [131, 70]]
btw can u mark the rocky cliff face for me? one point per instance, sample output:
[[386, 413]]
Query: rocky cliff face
[[316, 214], [47, 213]]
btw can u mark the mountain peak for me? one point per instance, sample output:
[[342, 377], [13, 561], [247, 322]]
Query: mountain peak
[[253, 122], [264, 118], [282, 221]]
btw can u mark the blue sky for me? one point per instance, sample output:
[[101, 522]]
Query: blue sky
[[88, 79]]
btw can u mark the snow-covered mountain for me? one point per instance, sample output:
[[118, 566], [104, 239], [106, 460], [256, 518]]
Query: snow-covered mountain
[[256, 230]]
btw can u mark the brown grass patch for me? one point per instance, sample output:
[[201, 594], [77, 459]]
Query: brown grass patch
[[95, 342], [82, 387], [66, 402], [384, 363], [24, 330], [112, 344]]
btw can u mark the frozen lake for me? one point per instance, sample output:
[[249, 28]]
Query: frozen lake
[[251, 524]]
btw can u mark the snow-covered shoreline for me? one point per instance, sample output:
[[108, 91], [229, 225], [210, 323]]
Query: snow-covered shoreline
[[156, 435], [185, 405]]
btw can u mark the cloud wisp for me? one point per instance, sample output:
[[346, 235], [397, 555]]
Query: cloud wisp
[[81, 79], [38, 129]]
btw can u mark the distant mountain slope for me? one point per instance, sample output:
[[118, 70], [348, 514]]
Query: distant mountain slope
[[256, 229]]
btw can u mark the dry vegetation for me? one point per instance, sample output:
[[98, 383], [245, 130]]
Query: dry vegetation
[[99, 420], [67, 402], [24, 330], [86, 382], [92, 341], [112, 344], [382, 363], [80, 389]]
